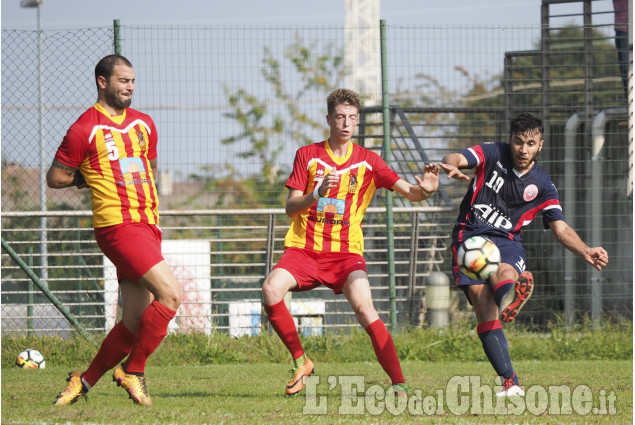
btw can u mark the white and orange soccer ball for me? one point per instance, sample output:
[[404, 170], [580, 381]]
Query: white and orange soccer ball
[[478, 257], [30, 359]]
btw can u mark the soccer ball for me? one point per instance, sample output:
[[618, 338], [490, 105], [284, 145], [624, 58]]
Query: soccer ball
[[478, 257], [30, 359]]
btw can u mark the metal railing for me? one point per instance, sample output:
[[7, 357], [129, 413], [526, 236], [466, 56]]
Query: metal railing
[[221, 258]]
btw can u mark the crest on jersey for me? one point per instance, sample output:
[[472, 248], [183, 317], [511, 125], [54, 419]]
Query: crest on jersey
[[530, 193], [352, 184], [142, 140]]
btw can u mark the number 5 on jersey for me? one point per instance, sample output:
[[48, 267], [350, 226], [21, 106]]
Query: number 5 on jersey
[[113, 152]]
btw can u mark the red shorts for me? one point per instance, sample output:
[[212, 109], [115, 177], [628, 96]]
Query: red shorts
[[134, 248], [312, 269]]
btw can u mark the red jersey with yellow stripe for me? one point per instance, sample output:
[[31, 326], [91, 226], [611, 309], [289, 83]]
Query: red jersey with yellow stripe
[[113, 154], [334, 223]]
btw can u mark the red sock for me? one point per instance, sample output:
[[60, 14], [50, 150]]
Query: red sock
[[385, 350], [282, 322], [152, 328], [114, 348]]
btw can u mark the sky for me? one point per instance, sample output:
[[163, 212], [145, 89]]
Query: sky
[[69, 14], [81, 14]]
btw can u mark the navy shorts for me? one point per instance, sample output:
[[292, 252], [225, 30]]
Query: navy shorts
[[512, 253]]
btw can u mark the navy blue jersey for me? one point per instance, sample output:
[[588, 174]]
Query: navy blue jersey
[[500, 202]]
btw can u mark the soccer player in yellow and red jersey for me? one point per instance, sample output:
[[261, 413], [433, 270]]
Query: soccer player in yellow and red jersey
[[112, 149], [330, 187]]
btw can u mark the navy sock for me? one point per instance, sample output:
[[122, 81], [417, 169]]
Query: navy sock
[[501, 289], [495, 346]]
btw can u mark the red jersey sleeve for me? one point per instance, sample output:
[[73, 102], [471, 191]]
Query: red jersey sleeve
[[152, 145], [382, 174], [299, 174], [74, 147]]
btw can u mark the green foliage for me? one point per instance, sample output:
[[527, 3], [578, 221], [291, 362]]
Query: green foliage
[[579, 342], [613, 341], [320, 69], [250, 114]]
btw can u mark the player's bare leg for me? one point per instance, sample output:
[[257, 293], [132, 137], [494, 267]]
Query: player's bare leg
[[357, 292], [275, 287], [134, 301], [162, 283]]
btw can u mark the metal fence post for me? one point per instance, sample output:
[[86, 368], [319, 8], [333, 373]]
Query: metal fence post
[[29, 295], [390, 231], [117, 36]]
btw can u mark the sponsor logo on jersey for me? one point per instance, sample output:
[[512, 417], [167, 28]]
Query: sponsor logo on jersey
[[330, 211], [331, 205], [327, 220], [492, 216], [131, 181], [131, 165]]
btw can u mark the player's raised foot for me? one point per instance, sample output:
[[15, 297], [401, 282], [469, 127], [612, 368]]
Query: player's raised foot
[[134, 384], [74, 390], [401, 390], [510, 388], [515, 300], [300, 374]]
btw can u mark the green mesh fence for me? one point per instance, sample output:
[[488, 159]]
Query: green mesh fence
[[233, 103]]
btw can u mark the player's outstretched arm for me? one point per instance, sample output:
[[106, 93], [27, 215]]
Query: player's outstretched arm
[[429, 181], [452, 163], [597, 257], [426, 185]]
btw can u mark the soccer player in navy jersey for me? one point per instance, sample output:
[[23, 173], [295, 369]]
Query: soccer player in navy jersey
[[507, 191]]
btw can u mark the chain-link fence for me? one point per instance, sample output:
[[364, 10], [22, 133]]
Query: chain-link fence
[[232, 105]]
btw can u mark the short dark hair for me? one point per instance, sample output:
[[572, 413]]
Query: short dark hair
[[526, 122], [342, 97], [106, 66]]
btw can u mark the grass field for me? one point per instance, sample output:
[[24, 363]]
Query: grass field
[[254, 394]]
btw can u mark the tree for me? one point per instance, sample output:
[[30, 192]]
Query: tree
[[267, 129]]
